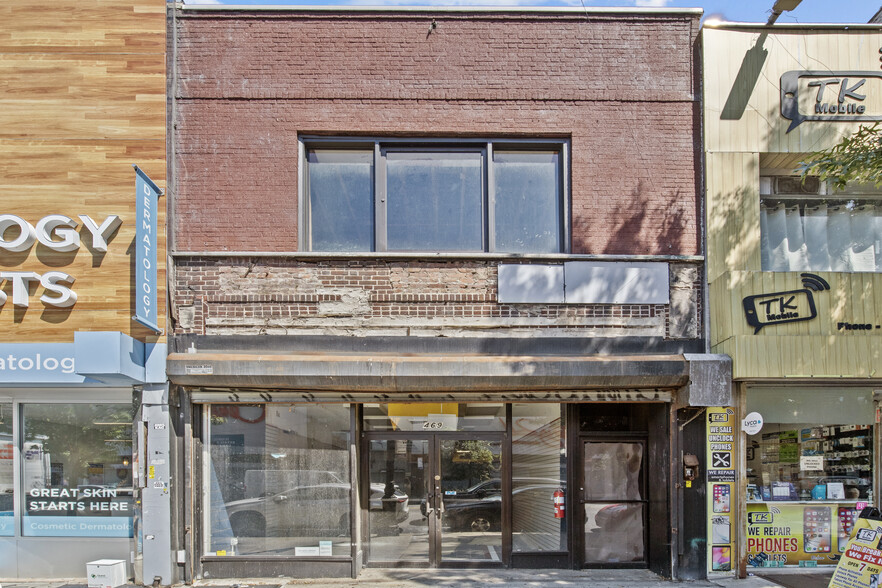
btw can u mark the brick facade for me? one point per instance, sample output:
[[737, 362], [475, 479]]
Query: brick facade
[[240, 296], [621, 87]]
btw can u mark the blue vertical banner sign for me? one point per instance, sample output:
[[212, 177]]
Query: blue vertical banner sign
[[146, 250]]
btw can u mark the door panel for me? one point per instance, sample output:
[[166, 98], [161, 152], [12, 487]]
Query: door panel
[[612, 471], [471, 491], [614, 502], [399, 473], [434, 499]]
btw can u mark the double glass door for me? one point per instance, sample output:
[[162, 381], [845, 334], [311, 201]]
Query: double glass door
[[434, 498]]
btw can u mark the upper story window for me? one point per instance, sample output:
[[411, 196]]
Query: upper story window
[[450, 196], [808, 226]]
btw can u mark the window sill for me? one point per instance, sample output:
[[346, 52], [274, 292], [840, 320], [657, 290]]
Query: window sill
[[429, 256]]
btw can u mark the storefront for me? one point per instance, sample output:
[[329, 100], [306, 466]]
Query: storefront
[[441, 327], [794, 270], [439, 484], [71, 467], [810, 471], [83, 393], [299, 483]]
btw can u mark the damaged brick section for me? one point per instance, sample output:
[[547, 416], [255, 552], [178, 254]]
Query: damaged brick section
[[217, 296]]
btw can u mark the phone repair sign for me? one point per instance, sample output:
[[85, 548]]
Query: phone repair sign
[[861, 564], [720, 480]]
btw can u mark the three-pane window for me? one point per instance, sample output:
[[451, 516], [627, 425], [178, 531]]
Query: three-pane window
[[428, 196], [806, 226]]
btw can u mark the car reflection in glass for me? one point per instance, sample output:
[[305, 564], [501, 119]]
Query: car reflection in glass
[[479, 508], [320, 510]]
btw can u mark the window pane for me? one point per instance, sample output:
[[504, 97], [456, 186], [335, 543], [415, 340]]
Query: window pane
[[813, 405], [612, 471], [815, 444], [6, 452], [279, 479], [470, 486], [538, 469], [821, 234], [77, 470], [614, 533], [528, 214], [399, 482], [434, 201], [434, 417], [341, 200]]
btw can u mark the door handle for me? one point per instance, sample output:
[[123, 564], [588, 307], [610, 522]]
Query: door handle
[[430, 500], [440, 510]]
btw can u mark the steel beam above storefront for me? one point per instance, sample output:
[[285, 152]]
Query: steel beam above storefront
[[426, 373]]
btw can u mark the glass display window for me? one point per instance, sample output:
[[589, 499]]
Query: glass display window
[[809, 473], [814, 445], [76, 469], [6, 470], [538, 471], [278, 480]]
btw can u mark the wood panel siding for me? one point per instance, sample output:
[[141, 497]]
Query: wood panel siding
[[82, 98], [822, 346], [746, 136]]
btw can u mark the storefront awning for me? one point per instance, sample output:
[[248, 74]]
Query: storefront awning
[[379, 374]]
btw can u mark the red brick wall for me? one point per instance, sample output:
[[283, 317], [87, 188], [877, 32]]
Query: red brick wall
[[621, 87]]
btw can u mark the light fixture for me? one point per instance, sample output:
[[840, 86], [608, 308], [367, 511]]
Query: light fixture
[[782, 6], [785, 5]]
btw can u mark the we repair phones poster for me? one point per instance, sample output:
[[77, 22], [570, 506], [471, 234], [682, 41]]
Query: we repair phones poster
[[720, 458]]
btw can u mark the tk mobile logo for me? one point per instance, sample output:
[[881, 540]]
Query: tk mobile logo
[[791, 306], [760, 518], [828, 96], [720, 417]]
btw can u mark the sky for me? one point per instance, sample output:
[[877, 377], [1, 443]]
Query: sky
[[809, 11]]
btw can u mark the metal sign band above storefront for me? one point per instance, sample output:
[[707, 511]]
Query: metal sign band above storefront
[[239, 396]]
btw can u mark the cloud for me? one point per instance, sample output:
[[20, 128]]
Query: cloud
[[652, 3]]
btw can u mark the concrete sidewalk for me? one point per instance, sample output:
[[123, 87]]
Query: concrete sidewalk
[[419, 578]]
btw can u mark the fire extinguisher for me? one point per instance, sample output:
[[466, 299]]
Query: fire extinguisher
[[559, 508]]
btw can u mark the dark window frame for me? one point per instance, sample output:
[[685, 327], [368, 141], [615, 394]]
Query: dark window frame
[[379, 146]]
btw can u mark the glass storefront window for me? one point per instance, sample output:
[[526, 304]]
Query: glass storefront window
[[77, 470], [813, 442], [808, 471], [433, 417], [6, 453], [278, 480], [538, 470]]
